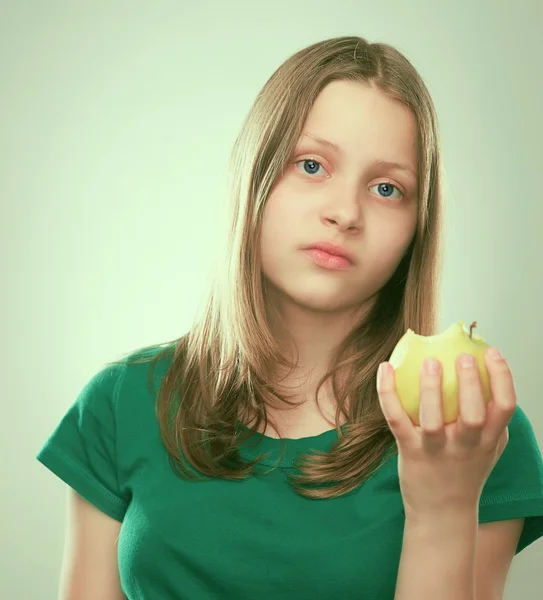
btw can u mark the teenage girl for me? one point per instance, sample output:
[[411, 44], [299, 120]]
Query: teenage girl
[[264, 455]]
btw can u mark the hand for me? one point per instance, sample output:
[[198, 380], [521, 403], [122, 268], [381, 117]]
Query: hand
[[446, 466]]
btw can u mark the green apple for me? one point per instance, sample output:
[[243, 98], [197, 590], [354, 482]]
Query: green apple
[[411, 351]]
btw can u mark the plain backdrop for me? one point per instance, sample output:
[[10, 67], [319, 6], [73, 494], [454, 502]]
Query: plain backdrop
[[116, 124]]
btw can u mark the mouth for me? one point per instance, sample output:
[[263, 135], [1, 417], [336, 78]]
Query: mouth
[[329, 256]]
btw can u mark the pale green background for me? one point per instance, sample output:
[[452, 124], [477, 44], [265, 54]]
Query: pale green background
[[116, 121]]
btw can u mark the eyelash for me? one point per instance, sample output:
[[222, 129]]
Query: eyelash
[[303, 160]]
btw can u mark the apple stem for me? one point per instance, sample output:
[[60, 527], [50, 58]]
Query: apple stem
[[471, 327]]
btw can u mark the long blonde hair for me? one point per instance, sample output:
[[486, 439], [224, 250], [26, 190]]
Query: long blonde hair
[[217, 369]]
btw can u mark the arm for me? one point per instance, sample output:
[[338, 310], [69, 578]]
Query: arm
[[451, 557], [89, 569]]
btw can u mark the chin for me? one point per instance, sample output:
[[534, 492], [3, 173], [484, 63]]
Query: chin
[[318, 294], [320, 300]]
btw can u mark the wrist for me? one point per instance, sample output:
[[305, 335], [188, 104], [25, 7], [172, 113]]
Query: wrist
[[446, 516], [438, 556]]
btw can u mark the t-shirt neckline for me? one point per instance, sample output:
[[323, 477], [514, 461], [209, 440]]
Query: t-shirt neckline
[[258, 444]]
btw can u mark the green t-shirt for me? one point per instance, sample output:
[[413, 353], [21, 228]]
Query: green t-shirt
[[255, 538]]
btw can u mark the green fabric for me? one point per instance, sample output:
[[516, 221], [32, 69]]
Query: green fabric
[[252, 539]]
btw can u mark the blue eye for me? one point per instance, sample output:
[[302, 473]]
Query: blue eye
[[311, 167], [387, 190]]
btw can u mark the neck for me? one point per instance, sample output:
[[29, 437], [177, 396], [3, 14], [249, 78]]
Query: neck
[[309, 337]]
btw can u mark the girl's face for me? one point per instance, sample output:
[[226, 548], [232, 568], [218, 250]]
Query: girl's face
[[343, 190]]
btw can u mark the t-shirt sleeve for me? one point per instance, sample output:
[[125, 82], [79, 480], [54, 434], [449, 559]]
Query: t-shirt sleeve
[[514, 489], [82, 448]]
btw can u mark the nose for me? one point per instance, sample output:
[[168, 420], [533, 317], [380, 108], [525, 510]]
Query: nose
[[346, 213]]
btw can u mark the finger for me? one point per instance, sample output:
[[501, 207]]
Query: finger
[[431, 406], [397, 419], [472, 413], [504, 398]]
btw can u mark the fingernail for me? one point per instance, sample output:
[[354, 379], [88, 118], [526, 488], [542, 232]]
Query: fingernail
[[431, 366], [495, 354], [467, 361]]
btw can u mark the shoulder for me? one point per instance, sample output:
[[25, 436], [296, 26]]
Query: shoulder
[[522, 443], [139, 369], [121, 388], [514, 488]]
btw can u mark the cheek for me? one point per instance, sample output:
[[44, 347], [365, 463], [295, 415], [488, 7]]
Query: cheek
[[391, 246], [281, 220], [273, 233]]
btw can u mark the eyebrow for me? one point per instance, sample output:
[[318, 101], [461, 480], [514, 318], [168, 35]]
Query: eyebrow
[[387, 164]]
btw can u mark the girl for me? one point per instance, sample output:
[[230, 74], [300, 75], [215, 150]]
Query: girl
[[257, 457]]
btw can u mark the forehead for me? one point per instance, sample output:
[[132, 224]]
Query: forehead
[[364, 121]]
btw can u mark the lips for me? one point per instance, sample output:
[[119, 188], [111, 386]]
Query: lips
[[332, 249], [329, 256]]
